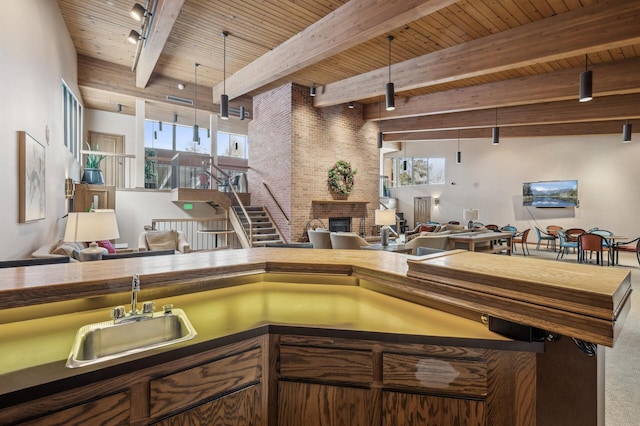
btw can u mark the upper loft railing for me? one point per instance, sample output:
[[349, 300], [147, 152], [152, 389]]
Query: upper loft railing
[[117, 169]]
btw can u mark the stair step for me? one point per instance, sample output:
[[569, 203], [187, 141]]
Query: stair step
[[266, 230], [264, 237], [264, 243]]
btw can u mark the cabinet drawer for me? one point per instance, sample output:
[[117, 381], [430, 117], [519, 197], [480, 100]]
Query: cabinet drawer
[[181, 390], [438, 375], [329, 365]]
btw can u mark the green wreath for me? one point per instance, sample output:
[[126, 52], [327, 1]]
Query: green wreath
[[341, 178]]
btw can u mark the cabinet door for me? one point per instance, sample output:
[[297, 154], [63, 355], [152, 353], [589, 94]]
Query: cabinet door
[[110, 410], [312, 404], [425, 410], [240, 408]]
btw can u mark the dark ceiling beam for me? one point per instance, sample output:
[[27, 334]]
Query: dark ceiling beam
[[568, 129], [166, 13], [605, 108], [605, 25], [613, 78], [354, 23]]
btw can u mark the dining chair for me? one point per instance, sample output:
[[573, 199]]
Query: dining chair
[[593, 243], [573, 233], [545, 236], [553, 229], [564, 244], [521, 237]]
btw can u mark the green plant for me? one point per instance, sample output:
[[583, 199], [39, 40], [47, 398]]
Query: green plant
[[341, 178], [149, 164], [93, 160]]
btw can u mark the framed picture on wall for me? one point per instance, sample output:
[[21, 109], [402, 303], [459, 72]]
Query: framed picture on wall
[[32, 162]]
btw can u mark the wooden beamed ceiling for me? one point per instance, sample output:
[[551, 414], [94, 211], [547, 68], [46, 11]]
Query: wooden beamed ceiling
[[456, 65]]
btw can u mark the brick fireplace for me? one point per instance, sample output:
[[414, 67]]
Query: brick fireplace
[[292, 146]]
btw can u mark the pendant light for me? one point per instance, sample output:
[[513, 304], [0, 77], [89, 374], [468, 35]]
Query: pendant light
[[380, 135], [586, 82], [312, 90], [458, 153], [242, 112], [495, 134], [389, 90], [224, 98], [626, 132], [196, 130]]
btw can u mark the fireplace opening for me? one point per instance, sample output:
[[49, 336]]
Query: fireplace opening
[[340, 224]]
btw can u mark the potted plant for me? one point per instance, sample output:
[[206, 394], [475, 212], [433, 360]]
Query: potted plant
[[92, 172], [150, 173]]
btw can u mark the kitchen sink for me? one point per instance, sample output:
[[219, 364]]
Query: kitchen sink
[[104, 341]]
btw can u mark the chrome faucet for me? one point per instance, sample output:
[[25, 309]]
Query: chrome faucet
[[119, 314], [135, 288]]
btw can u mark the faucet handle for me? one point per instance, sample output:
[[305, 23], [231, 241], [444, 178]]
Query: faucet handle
[[167, 309], [118, 312], [148, 307]]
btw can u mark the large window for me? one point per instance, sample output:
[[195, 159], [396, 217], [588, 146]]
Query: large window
[[72, 111], [232, 145], [175, 137], [419, 171]]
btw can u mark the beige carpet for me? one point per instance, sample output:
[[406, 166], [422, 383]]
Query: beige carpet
[[622, 371]]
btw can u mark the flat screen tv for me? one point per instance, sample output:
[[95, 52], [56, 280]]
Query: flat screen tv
[[551, 193]]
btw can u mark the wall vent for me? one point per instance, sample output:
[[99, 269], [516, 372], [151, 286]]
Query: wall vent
[[180, 100]]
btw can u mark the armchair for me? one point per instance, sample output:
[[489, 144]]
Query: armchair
[[521, 237], [347, 241], [163, 240], [545, 236], [319, 238]]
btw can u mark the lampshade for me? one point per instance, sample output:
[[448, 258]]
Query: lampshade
[[224, 98], [470, 214], [98, 225], [385, 217], [586, 86], [380, 139], [224, 106], [312, 91], [495, 136], [389, 88]]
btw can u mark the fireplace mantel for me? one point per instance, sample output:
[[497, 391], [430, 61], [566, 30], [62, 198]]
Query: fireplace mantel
[[339, 202]]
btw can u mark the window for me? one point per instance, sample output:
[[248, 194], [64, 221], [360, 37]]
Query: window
[[175, 137], [232, 145], [420, 171], [72, 111]]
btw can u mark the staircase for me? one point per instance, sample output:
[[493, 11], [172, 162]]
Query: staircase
[[264, 231]]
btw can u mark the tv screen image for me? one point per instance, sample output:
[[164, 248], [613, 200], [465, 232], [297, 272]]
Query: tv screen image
[[553, 193]]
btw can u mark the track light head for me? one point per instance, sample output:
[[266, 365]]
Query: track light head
[[134, 37], [138, 12]]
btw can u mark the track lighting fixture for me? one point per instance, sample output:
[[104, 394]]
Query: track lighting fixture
[[626, 132], [586, 82], [389, 90], [495, 133], [196, 130], [134, 37], [224, 98], [138, 12], [312, 91]]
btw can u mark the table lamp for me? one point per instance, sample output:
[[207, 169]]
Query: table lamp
[[385, 218], [97, 225]]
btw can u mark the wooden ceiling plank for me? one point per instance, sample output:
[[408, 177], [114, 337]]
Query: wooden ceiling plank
[[612, 78], [606, 108], [602, 26], [352, 24], [166, 13]]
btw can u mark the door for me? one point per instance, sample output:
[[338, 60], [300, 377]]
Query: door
[[421, 210], [112, 166]]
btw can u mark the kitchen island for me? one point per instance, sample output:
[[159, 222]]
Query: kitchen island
[[369, 337]]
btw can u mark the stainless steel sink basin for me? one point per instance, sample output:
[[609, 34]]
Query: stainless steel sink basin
[[105, 341]]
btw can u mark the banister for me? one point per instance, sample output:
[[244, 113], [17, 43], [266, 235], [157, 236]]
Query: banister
[[276, 201]]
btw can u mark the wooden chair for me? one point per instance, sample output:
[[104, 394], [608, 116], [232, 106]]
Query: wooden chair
[[616, 248], [592, 243], [521, 237], [573, 234]]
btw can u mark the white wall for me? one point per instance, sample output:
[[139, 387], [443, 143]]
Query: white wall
[[36, 54], [490, 179]]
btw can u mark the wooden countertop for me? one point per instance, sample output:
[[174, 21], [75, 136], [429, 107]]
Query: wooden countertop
[[581, 301]]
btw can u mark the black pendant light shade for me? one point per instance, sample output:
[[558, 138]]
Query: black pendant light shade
[[312, 91], [242, 112], [626, 132], [458, 157], [224, 98], [196, 130], [380, 139], [495, 136], [196, 133], [224, 106], [586, 82], [389, 89]]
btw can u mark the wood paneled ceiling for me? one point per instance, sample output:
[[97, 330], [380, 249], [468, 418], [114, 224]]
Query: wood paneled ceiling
[[458, 66]]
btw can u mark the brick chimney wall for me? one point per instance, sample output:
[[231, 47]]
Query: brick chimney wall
[[292, 146]]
